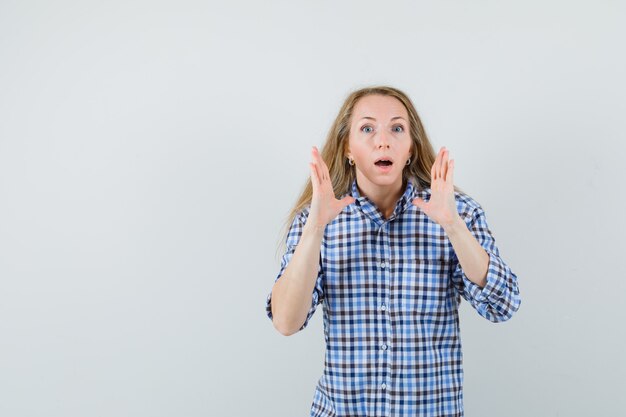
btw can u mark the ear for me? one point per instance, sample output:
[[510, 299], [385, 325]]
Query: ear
[[346, 151]]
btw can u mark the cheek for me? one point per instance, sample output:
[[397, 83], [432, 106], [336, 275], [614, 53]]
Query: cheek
[[356, 149]]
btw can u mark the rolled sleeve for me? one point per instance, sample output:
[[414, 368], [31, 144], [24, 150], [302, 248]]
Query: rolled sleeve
[[293, 237], [499, 299]]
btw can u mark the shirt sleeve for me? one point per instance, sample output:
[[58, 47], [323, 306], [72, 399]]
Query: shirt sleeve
[[500, 297], [293, 237]]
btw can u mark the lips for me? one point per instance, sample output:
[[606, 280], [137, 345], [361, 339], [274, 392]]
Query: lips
[[384, 161]]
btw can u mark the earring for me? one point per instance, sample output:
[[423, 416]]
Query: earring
[[351, 162], [408, 162]]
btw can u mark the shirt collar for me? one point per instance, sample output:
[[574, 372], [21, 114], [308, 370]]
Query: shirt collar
[[368, 207]]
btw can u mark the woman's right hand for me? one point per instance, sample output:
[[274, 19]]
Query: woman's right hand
[[324, 205]]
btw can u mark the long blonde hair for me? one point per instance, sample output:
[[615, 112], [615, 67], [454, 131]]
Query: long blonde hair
[[342, 174]]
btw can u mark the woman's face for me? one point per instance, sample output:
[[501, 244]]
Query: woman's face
[[379, 129]]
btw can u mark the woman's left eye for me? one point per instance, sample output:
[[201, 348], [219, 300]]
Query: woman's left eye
[[399, 127]]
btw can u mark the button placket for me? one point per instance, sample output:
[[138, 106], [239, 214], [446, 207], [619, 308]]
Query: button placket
[[386, 278]]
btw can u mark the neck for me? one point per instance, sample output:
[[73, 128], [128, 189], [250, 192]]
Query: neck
[[384, 197]]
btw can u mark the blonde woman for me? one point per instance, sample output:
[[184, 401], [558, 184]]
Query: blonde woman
[[390, 259]]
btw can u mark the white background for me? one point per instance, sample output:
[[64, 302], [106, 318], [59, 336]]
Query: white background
[[150, 151]]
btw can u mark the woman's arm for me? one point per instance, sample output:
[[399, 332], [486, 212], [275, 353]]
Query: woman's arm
[[499, 298], [473, 258], [292, 292], [480, 276]]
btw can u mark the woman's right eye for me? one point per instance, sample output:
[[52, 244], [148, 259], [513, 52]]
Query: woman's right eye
[[366, 127]]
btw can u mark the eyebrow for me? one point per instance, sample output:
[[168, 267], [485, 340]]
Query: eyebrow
[[393, 118]]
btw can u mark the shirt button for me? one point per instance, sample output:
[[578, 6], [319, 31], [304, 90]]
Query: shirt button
[[384, 346], [383, 307], [382, 264], [383, 386]]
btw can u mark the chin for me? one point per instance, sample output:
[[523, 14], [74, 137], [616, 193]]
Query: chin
[[384, 180]]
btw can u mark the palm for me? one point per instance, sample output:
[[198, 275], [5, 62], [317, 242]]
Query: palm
[[441, 207], [324, 205]]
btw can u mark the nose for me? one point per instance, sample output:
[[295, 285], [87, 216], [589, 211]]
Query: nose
[[383, 140]]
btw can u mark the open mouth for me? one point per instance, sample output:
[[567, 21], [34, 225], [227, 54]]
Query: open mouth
[[383, 163]]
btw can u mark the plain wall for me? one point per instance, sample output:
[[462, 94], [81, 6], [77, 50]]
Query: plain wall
[[150, 151]]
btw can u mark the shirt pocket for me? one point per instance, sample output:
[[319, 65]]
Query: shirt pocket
[[430, 286]]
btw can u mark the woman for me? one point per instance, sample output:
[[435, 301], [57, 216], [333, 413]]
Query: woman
[[391, 259]]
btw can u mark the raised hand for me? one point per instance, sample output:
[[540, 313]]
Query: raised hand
[[441, 207], [324, 205]]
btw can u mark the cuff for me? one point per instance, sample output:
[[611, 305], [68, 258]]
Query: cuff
[[496, 280]]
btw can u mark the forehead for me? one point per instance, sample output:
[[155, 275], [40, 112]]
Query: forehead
[[382, 108]]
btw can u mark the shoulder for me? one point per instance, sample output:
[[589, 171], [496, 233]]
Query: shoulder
[[468, 207], [300, 218], [466, 200]]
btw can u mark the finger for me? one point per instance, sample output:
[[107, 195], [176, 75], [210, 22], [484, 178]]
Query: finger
[[313, 175], [346, 201], [320, 175], [324, 171], [315, 181], [432, 170], [437, 164], [440, 166], [419, 203], [325, 167], [444, 165], [320, 165], [451, 172]]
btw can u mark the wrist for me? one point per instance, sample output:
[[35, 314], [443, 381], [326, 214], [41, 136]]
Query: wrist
[[312, 226], [454, 226]]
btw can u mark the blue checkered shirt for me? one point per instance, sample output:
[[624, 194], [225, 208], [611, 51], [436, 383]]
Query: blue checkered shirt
[[391, 290]]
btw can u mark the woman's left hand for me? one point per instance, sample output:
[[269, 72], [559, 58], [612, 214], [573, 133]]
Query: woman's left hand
[[441, 207]]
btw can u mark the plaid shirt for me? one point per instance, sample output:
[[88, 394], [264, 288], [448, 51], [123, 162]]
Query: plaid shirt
[[391, 290]]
